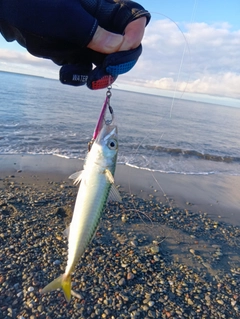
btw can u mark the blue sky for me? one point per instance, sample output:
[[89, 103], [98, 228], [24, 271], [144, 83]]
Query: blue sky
[[203, 59], [209, 11]]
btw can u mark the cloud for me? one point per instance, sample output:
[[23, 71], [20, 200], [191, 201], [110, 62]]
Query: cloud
[[24, 62], [227, 85], [202, 58]]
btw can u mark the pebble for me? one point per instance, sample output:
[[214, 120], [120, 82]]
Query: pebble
[[154, 249], [220, 301], [233, 302], [40, 308], [151, 303], [130, 270], [145, 307], [10, 311], [133, 243], [122, 282], [190, 302], [130, 276]]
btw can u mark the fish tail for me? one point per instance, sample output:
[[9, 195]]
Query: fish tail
[[63, 282]]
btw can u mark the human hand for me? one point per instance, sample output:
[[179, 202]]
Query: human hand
[[128, 48], [133, 34], [122, 54], [107, 42], [78, 34]]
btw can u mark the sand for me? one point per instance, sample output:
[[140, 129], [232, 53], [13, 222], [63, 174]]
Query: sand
[[218, 195], [169, 250]]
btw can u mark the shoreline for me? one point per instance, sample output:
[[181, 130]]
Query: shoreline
[[150, 258], [217, 195]]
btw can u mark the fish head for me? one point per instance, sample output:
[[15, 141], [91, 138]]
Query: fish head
[[107, 140]]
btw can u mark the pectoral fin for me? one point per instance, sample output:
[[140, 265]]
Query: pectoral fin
[[109, 176], [114, 193], [77, 177]]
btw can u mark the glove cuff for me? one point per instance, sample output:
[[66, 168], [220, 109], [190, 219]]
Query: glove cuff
[[99, 79], [74, 74], [113, 65]]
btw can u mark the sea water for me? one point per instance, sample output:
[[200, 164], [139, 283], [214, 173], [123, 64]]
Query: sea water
[[42, 116]]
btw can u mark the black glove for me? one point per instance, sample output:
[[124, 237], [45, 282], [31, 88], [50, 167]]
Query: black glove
[[115, 15], [61, 30]]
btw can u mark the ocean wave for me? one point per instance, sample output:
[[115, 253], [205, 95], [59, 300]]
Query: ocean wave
[[62, 156], [179, 172], [161, 150], [9, 126], [166, 166]]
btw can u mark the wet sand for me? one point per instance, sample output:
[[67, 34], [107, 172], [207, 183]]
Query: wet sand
[[162, 253], [218, 195]]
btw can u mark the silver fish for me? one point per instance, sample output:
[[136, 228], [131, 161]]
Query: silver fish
[[97, 184]]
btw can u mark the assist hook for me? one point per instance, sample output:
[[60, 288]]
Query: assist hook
[[102, 117], [108, 96]]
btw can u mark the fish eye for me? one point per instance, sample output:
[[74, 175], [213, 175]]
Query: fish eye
[[112, 144]]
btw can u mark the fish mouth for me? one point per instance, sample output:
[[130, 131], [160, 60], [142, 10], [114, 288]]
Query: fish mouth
[[107, 131], [111, 131]]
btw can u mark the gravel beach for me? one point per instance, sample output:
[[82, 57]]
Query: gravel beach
[[156, 255]]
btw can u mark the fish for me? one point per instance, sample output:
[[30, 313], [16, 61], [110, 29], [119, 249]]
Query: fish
[[96, 186]]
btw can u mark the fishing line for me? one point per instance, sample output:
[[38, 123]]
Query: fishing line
[[186, 47], [185, 50]]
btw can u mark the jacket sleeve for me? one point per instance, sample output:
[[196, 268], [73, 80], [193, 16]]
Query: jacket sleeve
[[61, 29], [54, 21]]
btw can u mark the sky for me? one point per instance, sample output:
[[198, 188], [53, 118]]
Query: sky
[[191, 49]]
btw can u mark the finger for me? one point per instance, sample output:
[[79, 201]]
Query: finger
[[106, 42], [133, 34]]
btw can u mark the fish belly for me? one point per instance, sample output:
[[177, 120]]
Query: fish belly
[[90, 202]]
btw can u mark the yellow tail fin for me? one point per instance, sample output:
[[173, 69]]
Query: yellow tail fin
[[63, 282]]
